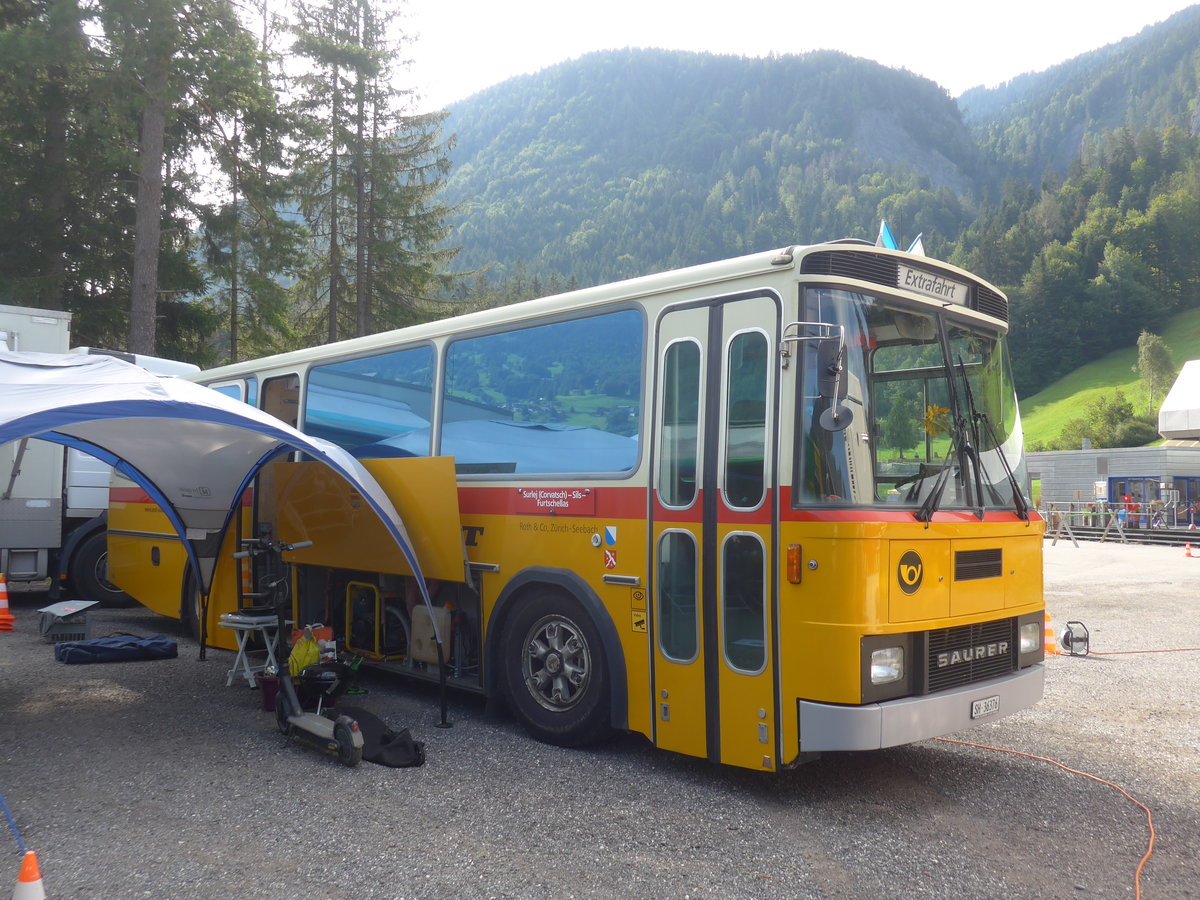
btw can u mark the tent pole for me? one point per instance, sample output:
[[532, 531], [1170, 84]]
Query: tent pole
[[442, 682], [204, 626]]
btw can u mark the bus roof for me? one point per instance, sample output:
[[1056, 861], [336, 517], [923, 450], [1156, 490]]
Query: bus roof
[[641, 287]]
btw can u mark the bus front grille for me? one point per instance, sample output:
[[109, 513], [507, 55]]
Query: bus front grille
[[991, 303], [966, 654], [874, 267]]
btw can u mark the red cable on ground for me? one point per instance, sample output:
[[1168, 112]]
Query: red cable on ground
[[1137, 875], [1117, 652]]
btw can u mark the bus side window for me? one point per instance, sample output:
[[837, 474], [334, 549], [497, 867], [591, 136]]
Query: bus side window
[[680, 424], [746, 420], [376, 406], [561, 397], [281, 398], [678, 631], [743, 586]]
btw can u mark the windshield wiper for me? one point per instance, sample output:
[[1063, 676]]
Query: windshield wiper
[[977, 418], [960, 444], [971, 451], [930, 504]]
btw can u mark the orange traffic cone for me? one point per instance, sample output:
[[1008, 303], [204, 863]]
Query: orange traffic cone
[[1049, 642], [1187, 550], [6, 617], [29, 883]]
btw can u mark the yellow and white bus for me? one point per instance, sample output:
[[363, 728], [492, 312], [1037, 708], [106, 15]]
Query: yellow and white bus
[[753, 509]]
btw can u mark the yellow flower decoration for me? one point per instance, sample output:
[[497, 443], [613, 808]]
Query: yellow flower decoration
[[937, 420]]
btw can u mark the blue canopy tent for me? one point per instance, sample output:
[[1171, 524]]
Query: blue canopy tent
[[192, 449]]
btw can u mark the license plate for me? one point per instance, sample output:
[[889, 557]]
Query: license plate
[[985, 707]]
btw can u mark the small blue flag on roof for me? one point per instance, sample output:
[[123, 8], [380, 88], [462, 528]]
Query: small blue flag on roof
[[885, 238], [918, 246]]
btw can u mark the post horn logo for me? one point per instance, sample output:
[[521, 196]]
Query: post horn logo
[[909, 572]]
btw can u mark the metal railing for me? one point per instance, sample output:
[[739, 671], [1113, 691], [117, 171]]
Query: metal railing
[[1157, 522]]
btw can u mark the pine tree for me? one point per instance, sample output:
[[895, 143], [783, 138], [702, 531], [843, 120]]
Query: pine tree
[[370, 175], [43, 115], [251, 247], [187, 67]]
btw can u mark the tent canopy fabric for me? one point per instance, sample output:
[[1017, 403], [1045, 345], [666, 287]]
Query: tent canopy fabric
[[193, 449], [1179, 415]]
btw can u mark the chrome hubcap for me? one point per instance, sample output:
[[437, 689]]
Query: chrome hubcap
[[557, 663]]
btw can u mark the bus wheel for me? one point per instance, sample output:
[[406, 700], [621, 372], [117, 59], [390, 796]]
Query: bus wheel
[[89, 573], [554, 670]]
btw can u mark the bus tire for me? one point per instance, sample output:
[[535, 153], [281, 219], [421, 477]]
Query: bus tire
[[89, 571], [554, 670]]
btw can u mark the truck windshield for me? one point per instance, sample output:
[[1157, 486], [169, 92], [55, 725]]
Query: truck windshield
[[932, 409]]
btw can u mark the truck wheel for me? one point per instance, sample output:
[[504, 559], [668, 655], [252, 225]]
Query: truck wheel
[[89, 573], [555, 671]]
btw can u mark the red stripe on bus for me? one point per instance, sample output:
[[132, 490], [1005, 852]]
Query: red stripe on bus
[[138, 495], [128, 495], [760, 516], [875, 514], [610, 502], [630, 503]]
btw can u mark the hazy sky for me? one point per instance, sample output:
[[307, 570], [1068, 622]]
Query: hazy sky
[[464, 46]]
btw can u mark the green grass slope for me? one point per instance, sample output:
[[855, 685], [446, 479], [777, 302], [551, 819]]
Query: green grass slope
[[1045, 413]]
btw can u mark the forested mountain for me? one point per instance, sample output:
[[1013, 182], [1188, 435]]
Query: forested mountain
[[624, 162], [1043, 121], [1076, 189]]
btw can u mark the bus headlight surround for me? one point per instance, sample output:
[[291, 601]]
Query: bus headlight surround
[[885, 670], [1030, 637], [1030, 629], [887, 665]]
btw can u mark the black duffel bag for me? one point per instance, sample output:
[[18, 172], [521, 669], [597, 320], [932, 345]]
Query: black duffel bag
[[116, 648], [381, 744]]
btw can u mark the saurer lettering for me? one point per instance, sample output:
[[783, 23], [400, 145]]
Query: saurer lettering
[[967, 654]]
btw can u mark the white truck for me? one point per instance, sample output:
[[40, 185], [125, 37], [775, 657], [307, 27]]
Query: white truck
[[53, 501]]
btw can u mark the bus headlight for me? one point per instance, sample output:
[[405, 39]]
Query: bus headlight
[[1030, 628], [887, 665], [1031, 637]]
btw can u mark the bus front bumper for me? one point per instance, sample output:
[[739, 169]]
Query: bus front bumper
[[824, 726]]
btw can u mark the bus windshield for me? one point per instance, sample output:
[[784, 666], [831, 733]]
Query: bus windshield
[[933, 419]]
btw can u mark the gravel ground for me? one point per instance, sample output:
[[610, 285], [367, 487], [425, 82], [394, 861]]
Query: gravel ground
[[153, 779]]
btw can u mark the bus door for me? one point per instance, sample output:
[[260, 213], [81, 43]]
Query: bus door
[[713, 516]]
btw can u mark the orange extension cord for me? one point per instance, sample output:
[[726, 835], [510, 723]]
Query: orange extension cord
[[1137, 875]]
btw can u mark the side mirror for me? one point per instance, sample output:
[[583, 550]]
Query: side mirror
[[831, 370], [832, 381], [832, 384]]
